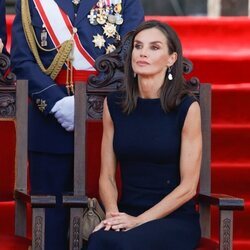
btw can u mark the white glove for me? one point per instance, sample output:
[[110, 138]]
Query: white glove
[[1, 45], [64, 111]]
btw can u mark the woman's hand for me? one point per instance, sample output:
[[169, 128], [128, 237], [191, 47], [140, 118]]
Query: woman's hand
[[121, 222], [102, 225], [98, 227], [118, 222]]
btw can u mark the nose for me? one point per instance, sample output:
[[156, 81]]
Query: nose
[[143, 52]]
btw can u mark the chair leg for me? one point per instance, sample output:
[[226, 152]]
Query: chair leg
[[38, 228], [76, 228], [226, 230], [20, 218], [205, 220]]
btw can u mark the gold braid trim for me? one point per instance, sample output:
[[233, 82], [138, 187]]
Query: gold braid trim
[[63, 50]]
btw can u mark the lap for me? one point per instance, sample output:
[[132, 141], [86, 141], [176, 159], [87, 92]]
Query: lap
[[162, 234]]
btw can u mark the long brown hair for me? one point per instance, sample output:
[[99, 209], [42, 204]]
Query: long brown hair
[[172, 91]]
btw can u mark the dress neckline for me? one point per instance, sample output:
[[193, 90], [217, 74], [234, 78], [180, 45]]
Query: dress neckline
[[148, 99]]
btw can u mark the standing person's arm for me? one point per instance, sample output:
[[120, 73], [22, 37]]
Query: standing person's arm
[[24, 65], [43, 91]]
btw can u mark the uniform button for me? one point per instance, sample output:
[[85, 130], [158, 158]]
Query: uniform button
[[74, 30], [168, 181]]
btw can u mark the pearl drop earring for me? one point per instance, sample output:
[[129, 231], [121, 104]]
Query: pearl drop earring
[[170, 76]]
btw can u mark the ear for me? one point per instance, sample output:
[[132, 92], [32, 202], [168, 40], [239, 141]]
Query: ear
[[172, 59]]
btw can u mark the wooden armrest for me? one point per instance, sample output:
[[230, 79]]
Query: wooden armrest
[[224, 202], [75, 200], [42, 201], [35, 200]]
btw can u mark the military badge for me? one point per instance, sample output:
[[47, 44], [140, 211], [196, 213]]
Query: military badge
[[99, 41], [108, 14], [41, 104], [92, 17], [109, 30], [110, 48], [44, 37]]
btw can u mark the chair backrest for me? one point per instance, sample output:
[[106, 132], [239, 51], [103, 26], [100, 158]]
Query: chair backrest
[[7, 115], [205, 175], [13, 107]]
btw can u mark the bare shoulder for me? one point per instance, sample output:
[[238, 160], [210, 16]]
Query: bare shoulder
[[193, 118], [194, 109], [106, 117]]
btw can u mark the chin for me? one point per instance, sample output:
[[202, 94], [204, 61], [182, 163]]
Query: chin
[[145, 74]]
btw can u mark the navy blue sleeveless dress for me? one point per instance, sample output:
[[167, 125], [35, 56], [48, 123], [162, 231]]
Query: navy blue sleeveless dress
[[147, 144]]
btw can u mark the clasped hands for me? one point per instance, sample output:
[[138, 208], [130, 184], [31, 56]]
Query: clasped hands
[[64, 111], [118, 222]]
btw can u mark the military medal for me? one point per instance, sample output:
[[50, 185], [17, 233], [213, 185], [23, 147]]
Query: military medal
[[111, 18], [76, 2], [92, 17], [109, 30], [101, 17], [110, 48], [106, 13], [99, 41], [44, 37], [119, 19], [100, 4], [116, 1], [118, 37], [118, 8]]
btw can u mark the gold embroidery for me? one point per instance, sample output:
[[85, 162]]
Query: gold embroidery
[[41, 104]]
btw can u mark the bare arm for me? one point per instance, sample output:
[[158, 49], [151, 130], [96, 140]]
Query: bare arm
[[107, 184], [190, 161]]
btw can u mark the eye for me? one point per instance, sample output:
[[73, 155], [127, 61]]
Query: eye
[[154, 47], [137, 45]]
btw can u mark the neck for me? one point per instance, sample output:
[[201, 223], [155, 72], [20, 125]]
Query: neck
[[149, 87]]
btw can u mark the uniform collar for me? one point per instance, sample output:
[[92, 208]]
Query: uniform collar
[[67, 7]]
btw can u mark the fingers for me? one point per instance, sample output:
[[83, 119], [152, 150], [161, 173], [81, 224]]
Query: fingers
[[117, 223], [119, 227], [103, 225], [70, 128], [98, 227], [107, 228]]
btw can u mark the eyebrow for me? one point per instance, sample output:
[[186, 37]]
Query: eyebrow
[[138, 41]]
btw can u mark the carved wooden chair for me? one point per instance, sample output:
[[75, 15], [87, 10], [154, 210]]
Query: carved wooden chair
[[12, 111], [14, 106], [22, 197], [111, 79]]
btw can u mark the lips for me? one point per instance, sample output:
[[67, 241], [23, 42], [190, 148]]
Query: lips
[[142, 63]]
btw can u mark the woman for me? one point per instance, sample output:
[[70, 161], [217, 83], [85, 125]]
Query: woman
[[153, 130]]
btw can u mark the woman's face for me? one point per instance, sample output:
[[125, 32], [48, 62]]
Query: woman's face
[[150, 55]]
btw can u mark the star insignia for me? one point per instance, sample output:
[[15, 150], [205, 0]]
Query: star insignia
[[109, 29], [110, 48], [41, 104], [99, 41]]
